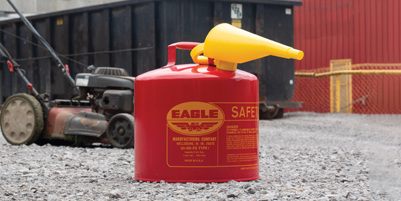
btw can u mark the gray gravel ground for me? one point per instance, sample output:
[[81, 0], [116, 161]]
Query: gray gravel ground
[[305, 156]]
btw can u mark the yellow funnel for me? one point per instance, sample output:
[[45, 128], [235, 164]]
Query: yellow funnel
[[229, 45]]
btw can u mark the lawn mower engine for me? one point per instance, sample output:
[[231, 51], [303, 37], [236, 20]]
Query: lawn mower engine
[[103, 113], [109, 90]]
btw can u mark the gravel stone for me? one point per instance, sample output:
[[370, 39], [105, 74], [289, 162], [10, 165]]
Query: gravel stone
[[251, 191], [306, 156], [232, 196]]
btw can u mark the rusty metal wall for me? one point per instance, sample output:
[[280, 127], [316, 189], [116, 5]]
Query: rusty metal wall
[[134, 35]]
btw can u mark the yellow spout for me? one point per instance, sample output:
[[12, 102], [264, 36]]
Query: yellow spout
[[229, 45], [295, 54]]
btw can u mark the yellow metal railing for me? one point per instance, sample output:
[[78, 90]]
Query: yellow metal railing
[[348, 72], [325, 70]]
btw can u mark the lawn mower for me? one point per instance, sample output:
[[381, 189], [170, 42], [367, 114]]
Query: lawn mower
[[101, 109]]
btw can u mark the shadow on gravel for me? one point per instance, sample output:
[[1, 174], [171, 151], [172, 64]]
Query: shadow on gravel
[[63, 143]]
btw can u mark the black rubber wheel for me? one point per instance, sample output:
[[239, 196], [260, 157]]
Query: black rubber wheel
[[120, 131], [264, 115], [275, 114], [21, 119], [267, 114], [279, 114]]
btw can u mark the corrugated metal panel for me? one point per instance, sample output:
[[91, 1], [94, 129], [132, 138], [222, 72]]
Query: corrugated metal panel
[[366, 31]]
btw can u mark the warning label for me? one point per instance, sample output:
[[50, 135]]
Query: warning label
[[242, 142]]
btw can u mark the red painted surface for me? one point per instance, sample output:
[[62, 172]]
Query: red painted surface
[[30, 87], [67, 69], [57, 120], [366, 31], [180, 45], [10, 66], [193, 95]]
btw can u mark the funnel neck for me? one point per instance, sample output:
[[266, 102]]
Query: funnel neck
[[225, 65]]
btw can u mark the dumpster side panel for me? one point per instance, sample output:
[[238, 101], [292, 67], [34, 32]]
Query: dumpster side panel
[[143, 38], [120, 38], [79, 33], [279, 72], [182, 21], [59, 40], [134, 35], [9, 43], [99, 40], [43, 64], [24, 51]]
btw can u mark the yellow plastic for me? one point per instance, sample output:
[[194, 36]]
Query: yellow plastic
[[195, 54], [229, 45]]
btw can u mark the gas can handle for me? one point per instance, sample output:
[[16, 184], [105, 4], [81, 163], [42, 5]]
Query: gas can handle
[[180, 45]]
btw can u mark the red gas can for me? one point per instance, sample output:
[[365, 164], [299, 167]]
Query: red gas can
[[196, 123]]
